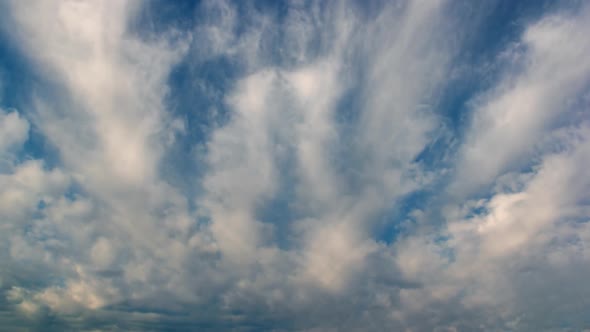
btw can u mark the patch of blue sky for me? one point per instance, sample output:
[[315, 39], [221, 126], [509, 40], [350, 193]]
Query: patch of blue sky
[[478, 64], [280, 210], [20, 83], [401, 217], [17, 76]]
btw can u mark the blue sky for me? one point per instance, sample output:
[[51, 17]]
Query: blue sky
[[294, 166]]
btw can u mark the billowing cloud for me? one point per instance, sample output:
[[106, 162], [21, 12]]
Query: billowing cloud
[[295, 166]]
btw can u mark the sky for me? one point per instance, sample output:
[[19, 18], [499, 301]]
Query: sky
[[294, 165]]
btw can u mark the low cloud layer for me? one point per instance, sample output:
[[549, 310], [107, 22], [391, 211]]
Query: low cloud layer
[[296, 166]]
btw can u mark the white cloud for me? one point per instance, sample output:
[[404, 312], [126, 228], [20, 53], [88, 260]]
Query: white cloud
[[14, 131], [108, 124], [114, 86], [504, 256], [509, 120], [104, 234], [26, 186]]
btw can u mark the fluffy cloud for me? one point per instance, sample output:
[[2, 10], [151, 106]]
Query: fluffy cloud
[[319, 195]]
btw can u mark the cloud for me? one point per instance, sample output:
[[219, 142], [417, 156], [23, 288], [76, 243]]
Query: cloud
[[314, 196], [549, 71], [527, 144], [14, 132]]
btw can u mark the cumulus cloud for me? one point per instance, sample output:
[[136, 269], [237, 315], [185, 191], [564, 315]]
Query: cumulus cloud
[[317, 195]]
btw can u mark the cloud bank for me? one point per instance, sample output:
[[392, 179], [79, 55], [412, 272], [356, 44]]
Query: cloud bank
[[294, 166]]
